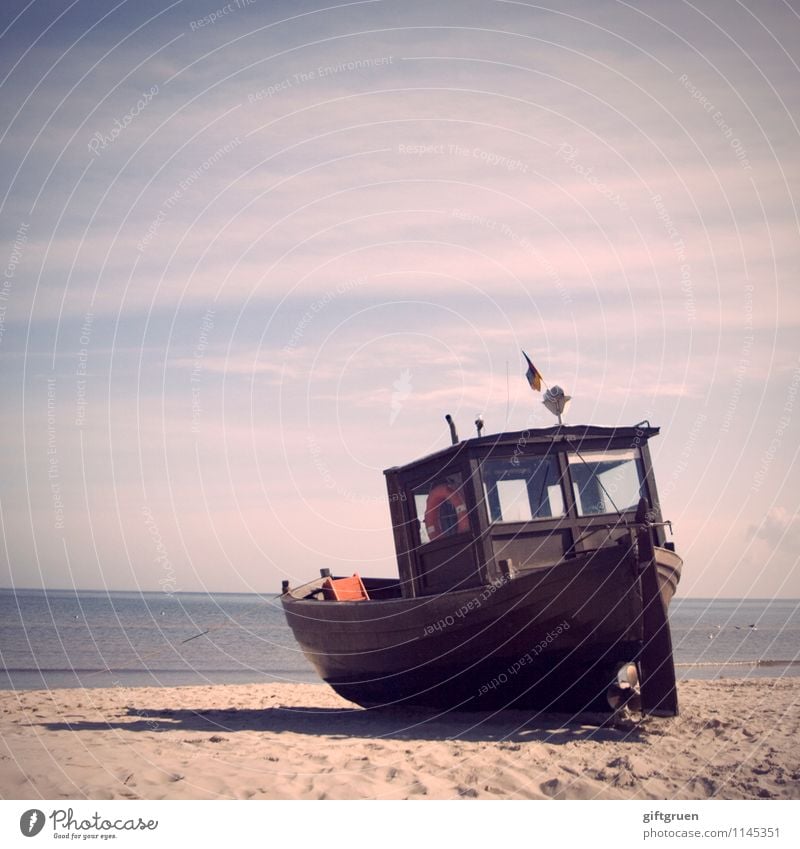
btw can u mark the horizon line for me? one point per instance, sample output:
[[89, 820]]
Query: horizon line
[[256, 593]]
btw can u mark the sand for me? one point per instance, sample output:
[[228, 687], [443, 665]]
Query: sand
[[734, 739]]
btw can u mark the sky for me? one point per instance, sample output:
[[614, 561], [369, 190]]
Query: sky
[[253, 253]]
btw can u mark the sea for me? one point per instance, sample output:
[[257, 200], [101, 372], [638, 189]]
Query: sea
[[66, 638]]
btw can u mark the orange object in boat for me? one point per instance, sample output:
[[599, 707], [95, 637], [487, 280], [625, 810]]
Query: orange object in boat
[[345, 589]]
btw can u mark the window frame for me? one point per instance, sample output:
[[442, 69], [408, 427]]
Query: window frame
[[573, 484], [557, 466]]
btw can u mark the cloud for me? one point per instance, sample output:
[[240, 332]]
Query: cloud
[[780, 529], [420, 195]]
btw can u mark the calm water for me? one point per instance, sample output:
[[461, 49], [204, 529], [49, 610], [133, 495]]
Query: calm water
[[97, 639], [714, 637], [66, 639]]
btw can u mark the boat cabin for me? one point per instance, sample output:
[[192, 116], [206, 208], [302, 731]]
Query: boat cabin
[[490, 508]]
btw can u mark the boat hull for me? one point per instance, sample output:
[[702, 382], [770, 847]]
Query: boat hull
[[668, 570], [549, 639]]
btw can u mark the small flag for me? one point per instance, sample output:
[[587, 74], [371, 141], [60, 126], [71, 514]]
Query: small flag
[[533, 374]]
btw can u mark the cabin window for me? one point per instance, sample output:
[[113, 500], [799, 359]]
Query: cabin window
[[606, 481], [441, 507], [522, 489]]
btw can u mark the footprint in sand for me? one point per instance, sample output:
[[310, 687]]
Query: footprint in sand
[[551, 788], [708, 787], [417, 788], [494, 791]]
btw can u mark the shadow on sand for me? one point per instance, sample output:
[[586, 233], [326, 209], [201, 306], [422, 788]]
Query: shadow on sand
[[376, 723]]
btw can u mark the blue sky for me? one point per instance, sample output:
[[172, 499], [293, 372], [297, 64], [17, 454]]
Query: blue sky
[[230, 230]]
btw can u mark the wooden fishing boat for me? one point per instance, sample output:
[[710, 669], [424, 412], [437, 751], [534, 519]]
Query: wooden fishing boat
[[534, 572]]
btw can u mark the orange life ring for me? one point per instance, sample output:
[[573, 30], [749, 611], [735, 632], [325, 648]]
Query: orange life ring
[[438, 496]]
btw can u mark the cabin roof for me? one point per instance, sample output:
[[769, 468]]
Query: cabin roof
[[580, 436]]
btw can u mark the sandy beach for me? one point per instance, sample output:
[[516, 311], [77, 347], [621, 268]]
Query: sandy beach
[[734, 739]]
